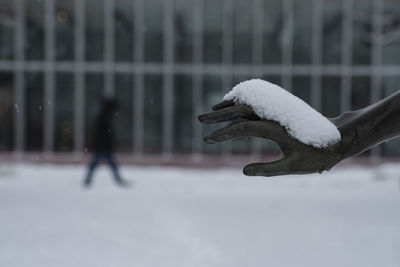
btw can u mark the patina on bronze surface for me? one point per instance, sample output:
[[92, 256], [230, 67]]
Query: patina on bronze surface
[[360, 130]]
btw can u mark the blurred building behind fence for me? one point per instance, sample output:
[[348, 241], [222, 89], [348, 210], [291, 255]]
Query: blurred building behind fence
[[166, 61]]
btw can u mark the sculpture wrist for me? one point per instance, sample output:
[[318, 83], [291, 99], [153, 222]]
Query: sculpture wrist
[[365, 128]]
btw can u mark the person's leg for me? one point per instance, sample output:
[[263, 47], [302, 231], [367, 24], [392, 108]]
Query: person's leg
[[114, 169], [92, 166]]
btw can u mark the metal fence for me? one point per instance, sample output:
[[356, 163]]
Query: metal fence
[[286, 69]]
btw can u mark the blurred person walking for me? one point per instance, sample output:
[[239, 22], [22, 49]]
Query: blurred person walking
[[103, 143]]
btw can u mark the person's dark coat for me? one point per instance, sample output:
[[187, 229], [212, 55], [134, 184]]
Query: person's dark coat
[[103, 133]]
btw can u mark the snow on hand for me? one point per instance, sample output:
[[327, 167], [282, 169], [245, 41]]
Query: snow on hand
[[272, 102]]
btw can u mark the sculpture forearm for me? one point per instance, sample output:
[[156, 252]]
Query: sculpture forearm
[[365, 128]]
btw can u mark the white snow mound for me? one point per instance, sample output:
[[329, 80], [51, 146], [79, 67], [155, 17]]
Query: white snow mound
[[272, 102]]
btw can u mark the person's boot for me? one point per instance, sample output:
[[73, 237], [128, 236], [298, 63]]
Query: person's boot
[[87, 183], [123, 183]]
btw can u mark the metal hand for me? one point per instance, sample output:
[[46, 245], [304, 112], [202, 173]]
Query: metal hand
[[298, 158]]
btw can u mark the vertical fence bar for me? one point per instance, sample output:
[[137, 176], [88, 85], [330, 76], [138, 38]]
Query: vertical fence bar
[[376, 59], [347, 54], [168, 79], [287, 44], [19, 77], [197, 96], [257, 54], [316, 60], [79, 75], [227, 54], [109, 44], [49, 96], [138, 110], [257, 35]]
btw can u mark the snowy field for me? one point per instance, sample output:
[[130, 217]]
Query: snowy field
[[184, 217]]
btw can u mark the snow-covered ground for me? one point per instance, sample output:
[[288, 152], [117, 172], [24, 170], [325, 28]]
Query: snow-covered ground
[[184, 217]]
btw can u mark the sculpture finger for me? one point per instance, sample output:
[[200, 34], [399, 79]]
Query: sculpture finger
[[223, 104], [280, 167], [229, 114], [264, 129]]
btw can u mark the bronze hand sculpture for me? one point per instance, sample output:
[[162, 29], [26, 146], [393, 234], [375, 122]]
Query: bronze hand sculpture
[[360, 130]]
